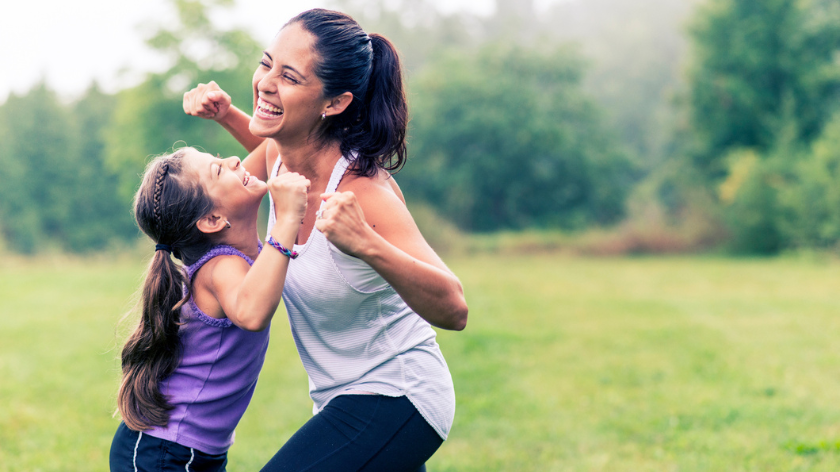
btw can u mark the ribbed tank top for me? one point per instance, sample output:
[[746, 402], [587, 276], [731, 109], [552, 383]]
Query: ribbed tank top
[[354, 333], [216, 377]]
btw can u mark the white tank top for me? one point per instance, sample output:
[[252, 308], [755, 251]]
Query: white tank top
[[354, 333]]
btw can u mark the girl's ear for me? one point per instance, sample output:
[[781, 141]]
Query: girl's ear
[[210, 223], [339, 104]]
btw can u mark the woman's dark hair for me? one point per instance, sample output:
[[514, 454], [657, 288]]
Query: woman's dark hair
[[368, 66], [166, 207]]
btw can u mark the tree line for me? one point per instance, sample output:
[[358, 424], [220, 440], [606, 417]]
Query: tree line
[[512, 124]]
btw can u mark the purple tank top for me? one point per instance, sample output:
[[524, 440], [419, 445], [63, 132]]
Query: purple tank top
[[216, 377]]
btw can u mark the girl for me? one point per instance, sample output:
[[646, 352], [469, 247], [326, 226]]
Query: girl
[[190, 367], [367, 288]]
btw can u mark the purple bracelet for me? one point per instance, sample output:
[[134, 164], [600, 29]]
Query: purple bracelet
[[281, 248]]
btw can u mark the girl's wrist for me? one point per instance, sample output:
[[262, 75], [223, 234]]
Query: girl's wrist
[[285, 229]]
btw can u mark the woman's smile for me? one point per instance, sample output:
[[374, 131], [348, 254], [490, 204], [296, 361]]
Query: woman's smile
[[268, 111]]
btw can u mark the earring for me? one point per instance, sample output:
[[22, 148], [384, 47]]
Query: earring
[[323, 116], [227, 224]]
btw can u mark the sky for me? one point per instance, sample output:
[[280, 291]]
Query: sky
[[71, 43]]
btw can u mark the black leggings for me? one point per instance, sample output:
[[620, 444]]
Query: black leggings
[[360, 433]]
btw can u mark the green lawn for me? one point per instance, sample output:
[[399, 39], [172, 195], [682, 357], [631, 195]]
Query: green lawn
[[567, 364]]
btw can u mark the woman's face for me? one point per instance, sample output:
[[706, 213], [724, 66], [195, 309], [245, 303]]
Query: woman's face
[[231, 188], [289, 97]]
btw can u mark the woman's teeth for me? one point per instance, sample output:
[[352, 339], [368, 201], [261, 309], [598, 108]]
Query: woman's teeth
[[269, 108]]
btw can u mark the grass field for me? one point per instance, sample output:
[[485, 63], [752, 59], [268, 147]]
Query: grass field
[[567, 364]]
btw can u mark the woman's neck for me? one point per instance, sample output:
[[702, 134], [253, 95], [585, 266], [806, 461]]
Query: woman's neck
[[310, 159]]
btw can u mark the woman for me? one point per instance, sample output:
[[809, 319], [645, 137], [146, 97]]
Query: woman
[[329, 105]]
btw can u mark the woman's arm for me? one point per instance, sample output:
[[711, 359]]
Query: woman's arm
[[236, 123], [369, 221], [210, 102]]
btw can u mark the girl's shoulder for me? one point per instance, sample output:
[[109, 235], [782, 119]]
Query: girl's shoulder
[[218, 268]]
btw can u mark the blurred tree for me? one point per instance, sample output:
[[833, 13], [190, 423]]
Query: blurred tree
[[37, 169], [810, 198], [635, 51], [503, 137], [55, 188], [760, 67], [149, 118], [96, 215]]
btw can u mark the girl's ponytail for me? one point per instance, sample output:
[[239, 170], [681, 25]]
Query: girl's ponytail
[[153, 350]]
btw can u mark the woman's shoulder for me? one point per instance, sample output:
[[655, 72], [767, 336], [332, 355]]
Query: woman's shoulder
[[381, 185]]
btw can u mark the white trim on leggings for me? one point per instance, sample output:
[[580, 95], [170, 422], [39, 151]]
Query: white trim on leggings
[[136, 445], [192, 456]]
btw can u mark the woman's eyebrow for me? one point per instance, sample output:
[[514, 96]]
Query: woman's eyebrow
[[294, 70], [269, 55]]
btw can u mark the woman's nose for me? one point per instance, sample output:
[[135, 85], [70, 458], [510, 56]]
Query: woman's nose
[[266, 84]]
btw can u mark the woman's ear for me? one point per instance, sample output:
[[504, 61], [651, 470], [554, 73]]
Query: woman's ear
[[210, 223], [338, 104]]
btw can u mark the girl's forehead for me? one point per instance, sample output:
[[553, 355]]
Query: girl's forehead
[[197, 160]]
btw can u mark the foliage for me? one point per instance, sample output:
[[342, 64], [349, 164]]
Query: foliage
[[759, 67], [635, 52], [149, 119], [753, 208], [811, 197], [504, 138], [56, 190]]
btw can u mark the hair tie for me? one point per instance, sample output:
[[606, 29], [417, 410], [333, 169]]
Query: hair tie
[[165, 247]]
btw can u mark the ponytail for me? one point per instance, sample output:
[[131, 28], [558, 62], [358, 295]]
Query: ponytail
[[373, 127], [153, 350], [166, 207], [386, 112]]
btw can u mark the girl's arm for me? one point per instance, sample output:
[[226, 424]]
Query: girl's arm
[[210, 102], [249, 297], [369, 221]]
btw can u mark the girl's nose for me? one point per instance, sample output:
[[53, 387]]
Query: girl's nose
[[234, 162]]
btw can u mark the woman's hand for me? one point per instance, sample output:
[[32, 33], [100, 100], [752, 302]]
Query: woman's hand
[[371, 222], [289, 190], [342, 221], [207, 101]]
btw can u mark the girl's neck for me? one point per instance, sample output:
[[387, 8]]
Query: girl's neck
[[242, 236], [310, 159]]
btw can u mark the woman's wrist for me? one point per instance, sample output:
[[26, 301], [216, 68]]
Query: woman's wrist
[[224, 119], [372, 248]]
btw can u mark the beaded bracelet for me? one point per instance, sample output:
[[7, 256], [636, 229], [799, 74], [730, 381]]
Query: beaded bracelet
[[273, 242]]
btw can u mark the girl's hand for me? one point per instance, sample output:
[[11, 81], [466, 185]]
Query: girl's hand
[[207, 101], [343, 223], [289, 192]]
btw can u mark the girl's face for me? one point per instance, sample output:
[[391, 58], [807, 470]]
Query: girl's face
[[289, 97], [232, 189]]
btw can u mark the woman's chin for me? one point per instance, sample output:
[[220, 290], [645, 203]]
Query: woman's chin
[[259, 128]]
